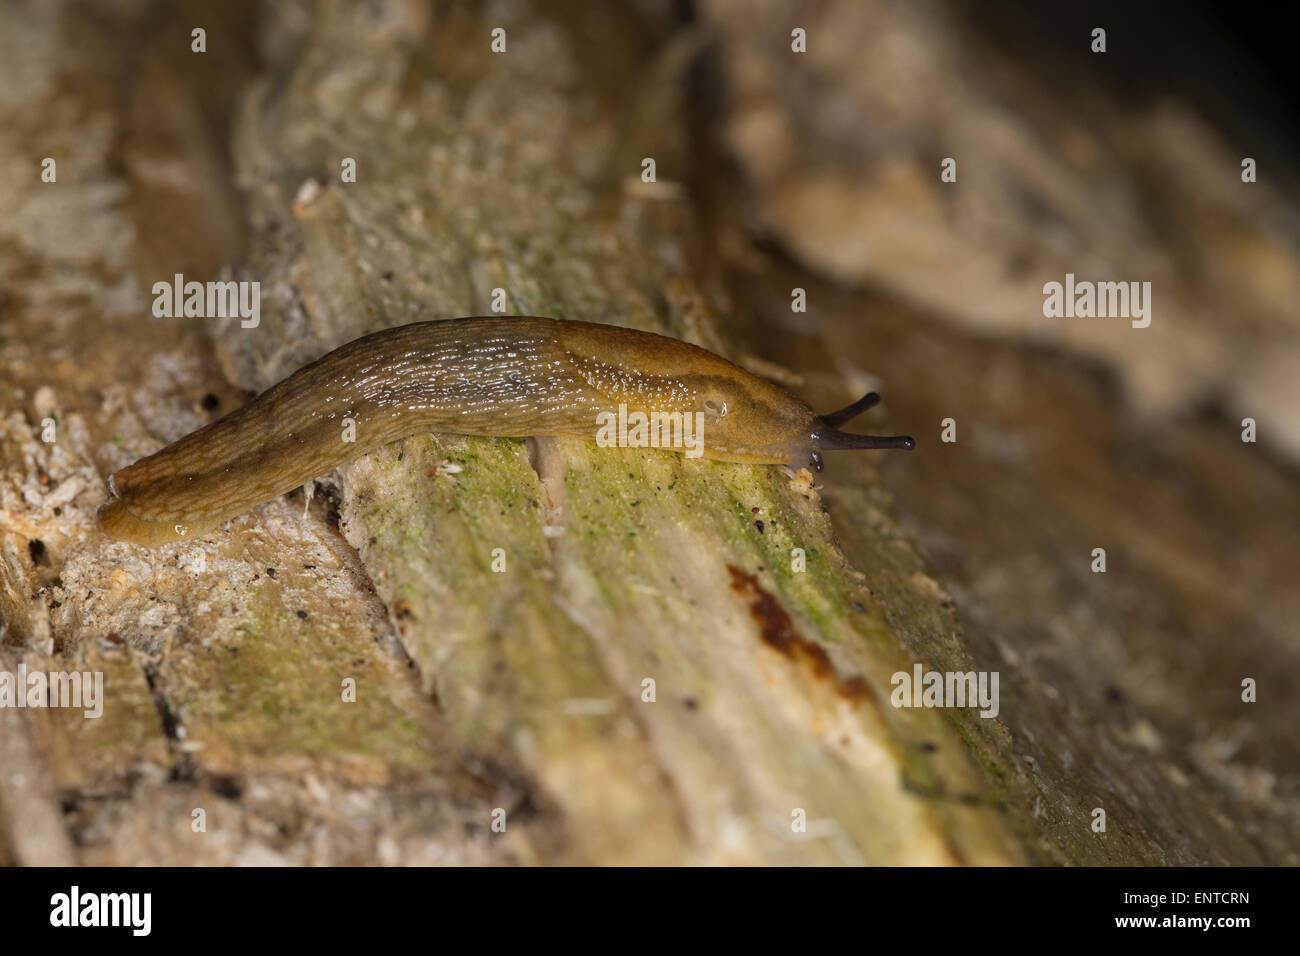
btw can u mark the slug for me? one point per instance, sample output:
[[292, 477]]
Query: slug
[[497, 376]]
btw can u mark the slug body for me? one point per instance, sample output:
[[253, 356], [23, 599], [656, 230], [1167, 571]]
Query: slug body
[[497, 376]]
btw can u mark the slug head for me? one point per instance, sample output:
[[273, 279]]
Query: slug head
[[751, 420]]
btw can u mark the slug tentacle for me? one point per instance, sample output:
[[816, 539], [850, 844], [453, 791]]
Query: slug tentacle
[[832, 439], [828, 437], [850, 412], [493, 376]]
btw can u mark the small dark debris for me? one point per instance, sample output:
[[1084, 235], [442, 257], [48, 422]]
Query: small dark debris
[[210, 402], [691, 703], [302, 615], [759, 526], [270, 573], [225, 785]]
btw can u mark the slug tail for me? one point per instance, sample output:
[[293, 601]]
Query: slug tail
[[116, 520]]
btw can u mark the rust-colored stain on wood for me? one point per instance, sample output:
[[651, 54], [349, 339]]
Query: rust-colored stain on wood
[[778, 631]]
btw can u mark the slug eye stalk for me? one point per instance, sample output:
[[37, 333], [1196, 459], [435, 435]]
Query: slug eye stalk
[[828, 437]]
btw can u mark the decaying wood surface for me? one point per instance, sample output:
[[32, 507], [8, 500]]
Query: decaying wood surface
[[524, 690]]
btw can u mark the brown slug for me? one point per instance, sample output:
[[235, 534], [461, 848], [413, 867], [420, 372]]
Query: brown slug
[[502, 376]]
